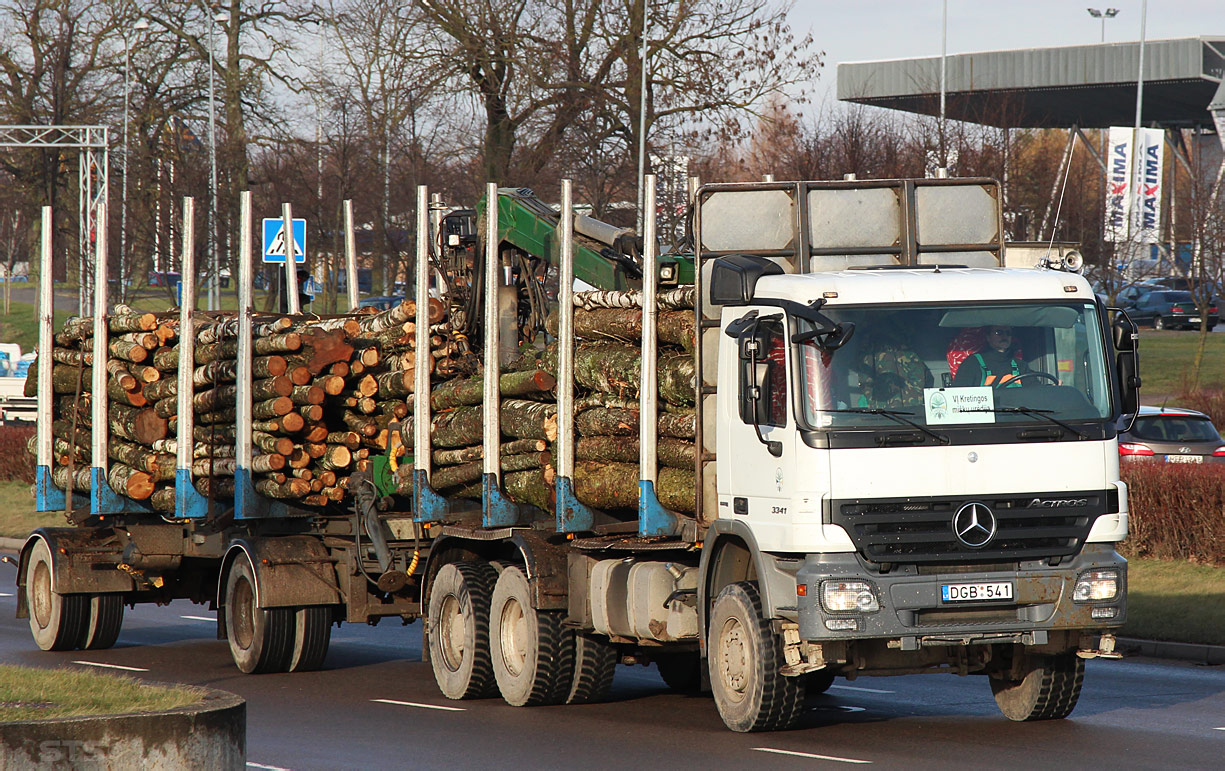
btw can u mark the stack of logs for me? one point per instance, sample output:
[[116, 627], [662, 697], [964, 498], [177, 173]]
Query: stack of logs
[[324, 394], [608, 326], [326, 391]]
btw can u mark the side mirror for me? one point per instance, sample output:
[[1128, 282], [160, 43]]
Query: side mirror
[[1129, 381], [1124, 331]]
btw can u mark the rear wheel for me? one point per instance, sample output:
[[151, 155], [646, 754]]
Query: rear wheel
[[745, 657], [261, 639], [595, 663], [312, 636], [459, 630], [58, 622], [1047, 690], [105, 621], [533, 656]]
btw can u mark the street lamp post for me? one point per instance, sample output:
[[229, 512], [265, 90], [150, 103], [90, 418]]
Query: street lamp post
[[1098, 13], [140, 26], [214, 283]]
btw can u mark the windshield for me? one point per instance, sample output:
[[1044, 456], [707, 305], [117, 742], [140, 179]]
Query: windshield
[[958, 365]]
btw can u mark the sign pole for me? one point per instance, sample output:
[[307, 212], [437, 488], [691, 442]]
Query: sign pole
[[291, 265]]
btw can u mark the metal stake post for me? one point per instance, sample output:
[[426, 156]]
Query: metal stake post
[[498, 510]]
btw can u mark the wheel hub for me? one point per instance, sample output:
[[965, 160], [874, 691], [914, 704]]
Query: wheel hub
[[513, 629], [243, 611], [733, 660], [451, 633], [40, 595]]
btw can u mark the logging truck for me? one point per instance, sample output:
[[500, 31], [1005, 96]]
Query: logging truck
[[835, 439]]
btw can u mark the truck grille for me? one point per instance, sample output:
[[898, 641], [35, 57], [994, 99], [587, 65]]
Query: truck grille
[[1028, 527]]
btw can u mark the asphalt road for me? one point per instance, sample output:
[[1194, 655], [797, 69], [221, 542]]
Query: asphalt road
[[375, 705]]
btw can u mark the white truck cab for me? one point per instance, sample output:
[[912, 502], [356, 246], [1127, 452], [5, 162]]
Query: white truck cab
[[915, 448]]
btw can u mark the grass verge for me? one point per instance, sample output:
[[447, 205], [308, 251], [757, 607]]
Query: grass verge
[[41, 694], [17, 514], [1175, 601], [20, 325], [1166, 357]]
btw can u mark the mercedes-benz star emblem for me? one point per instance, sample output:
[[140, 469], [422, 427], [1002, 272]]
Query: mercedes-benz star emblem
[[974, 525]]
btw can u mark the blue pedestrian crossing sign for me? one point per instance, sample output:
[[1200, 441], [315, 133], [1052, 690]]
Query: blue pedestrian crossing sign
[[274, 240]]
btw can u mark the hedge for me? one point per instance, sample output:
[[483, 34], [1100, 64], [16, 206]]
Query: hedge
[[1177, 511]]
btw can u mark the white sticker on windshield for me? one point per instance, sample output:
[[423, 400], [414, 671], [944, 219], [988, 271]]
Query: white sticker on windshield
[[945, 406]]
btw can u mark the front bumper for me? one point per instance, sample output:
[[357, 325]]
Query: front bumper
[[911, 608]]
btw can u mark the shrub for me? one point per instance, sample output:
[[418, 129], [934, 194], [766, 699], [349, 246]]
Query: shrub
[[1177, 511], [17, 464], [1210, 402]]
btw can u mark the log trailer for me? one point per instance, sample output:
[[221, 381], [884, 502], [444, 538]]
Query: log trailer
[[853, 507]]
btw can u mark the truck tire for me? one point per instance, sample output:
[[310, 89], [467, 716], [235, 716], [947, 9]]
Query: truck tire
[[58, 622], [105, 621], [745, 656], [261, 639], [533, 656], [1049, 689], [312, 635], [459, 630], [595, 663], [682, 672]]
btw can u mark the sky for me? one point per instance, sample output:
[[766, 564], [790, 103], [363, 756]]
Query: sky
[[865, 30]]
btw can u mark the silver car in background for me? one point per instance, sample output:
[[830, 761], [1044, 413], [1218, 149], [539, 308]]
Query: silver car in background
[[1173, 435]]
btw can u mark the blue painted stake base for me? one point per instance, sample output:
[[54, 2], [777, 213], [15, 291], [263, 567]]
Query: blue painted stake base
[[428, 506], [248, 504], [188, 503], [496, 509], [653, 518], [572, 516], [104, 500], [47, 496]]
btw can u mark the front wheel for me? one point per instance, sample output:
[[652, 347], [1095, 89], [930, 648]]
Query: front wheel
[[533, 655], [58, 622], [745, 657], [1047, 690]]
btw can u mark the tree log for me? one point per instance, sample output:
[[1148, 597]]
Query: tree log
[[394, 385], [625, 325], [470, 391], [281, 445], [614, 486], [463, 426], [127, 481], [131, 322], [269, 366], [272, 408], [120, 375], [137, 425], [605, 421], [469, 454], [271, 388], [670, 451], [128, 351], [290, 488], [220, 371]]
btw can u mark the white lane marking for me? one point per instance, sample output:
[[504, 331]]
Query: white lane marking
[[1222, 728], [417, 704], [810, 755], [837, 708], [198, 618], [267, 768], [859, 688], [111, 666], [5, 594]]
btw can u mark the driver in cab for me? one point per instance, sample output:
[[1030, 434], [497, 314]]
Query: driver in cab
[[994, 364]]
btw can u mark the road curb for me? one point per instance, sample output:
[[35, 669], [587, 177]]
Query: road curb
[[1211, 655], [205, 735]]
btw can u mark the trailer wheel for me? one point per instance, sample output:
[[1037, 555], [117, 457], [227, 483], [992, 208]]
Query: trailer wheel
[[682, 672], [745, 655], [57, 621], [1048, 690], [261, 639], [105, 621], [595, 663], [312, 635], [459, 630], [533, 656]]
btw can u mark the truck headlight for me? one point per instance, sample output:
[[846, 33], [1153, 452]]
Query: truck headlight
[[849, 597], [1096, 586]]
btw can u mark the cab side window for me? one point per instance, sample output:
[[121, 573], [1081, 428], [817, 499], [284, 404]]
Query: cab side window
[[775, 391]]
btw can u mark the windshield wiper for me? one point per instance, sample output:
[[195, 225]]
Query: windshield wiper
[[897, 416], [1034, 413]]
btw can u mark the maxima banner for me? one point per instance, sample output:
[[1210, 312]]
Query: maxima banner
[[1147, 209], [1118, 184], [1133, 185]]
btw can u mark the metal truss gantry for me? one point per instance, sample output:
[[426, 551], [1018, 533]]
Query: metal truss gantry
[[92, 142]]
